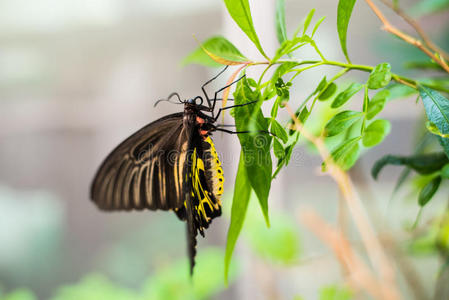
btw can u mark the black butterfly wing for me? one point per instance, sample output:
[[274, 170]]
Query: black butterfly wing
[[146, 170]]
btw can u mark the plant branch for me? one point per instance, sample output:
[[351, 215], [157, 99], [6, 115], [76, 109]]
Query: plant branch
[[413, 23], [405, 37], [396, 77]]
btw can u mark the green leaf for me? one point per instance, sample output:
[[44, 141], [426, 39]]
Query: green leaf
[[380, 76], [241, 13], [421, 163], [344, 12], [279, 131], [398, 90], [242, 193], [347, 153], [344, 96], [280, 71], [428, 191], [341, 121], [445, 171], [315, 28], [437, 110], [256, 146], [377, 103], [281, 31], [376, 132], [307, 21], [278, 149], [218, 47], [328, 92], [321, 85]]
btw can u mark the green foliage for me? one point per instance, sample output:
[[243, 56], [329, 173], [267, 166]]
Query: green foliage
[[344, 12], [377, 103], [445, 171], [380, 76], [345, 132], [421, 163], [220, 49], [281, 30], [279, 131], [437, 110], [346, 155], [242, 193], [256, 146], [241, 13], [341, 121], [376, 132], [427, 192], [328, 92], [344, 96]]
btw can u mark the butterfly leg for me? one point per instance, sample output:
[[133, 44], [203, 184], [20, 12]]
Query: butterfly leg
[[222, 89], [232, 106], [245, 131], [209, 81]]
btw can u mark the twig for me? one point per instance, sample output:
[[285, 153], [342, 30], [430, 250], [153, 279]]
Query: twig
[[371, 243], [360, 274], [405, 37], [427, 41]]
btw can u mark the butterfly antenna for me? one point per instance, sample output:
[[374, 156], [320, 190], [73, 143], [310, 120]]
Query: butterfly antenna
[[168, 99]]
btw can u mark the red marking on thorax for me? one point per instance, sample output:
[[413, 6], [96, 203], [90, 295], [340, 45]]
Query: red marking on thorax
[[200, 120]]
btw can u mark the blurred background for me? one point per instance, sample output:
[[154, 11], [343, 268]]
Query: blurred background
[[77, 77]]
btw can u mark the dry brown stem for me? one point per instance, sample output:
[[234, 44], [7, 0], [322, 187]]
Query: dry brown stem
[[371, 243], [415, 25], [387, 26]]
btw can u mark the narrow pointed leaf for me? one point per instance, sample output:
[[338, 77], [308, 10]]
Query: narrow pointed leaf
[[347, 153], [242, 193], [241, 13], [279, 131], [344, 96], [427, 192], [328, 92], [341, 121], [421, 163], [318, 23], [344, 12], [281, 31], [216, 51], [377, 104]]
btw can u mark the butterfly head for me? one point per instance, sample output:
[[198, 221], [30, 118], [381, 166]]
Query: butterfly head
[[194, 101]]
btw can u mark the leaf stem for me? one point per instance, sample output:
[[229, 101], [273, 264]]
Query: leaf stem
[[396, 77]]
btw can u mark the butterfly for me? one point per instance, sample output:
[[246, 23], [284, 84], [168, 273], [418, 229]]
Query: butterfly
[[170, 164]]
